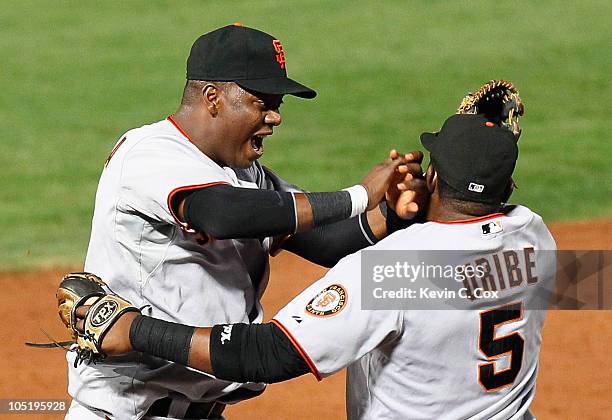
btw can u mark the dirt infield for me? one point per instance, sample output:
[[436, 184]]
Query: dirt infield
[[574, 382]]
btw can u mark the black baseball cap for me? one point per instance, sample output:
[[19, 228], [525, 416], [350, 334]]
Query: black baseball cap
[[252, 59], [475, 156]]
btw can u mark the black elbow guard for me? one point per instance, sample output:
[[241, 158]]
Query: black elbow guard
[[254, 353], [228, 212]]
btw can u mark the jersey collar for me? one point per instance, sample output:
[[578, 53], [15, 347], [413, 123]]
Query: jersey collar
[[178, 127], [472, 220]]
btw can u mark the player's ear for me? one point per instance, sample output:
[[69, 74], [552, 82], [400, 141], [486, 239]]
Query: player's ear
[[211, 95], [431, 178]]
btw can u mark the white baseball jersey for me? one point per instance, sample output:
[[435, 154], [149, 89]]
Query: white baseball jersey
[[478, 363], [145, 255]]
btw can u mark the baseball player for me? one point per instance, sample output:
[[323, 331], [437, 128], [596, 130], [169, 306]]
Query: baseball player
[[185, 219], [480, 362]]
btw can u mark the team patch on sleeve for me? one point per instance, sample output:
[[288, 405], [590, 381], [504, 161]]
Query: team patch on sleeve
[[327, 302]]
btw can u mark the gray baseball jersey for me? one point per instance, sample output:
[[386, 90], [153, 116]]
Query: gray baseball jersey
[[146, 255], [477, 363]]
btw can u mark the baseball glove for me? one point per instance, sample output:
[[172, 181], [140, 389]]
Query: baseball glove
[[497, 100], [77, 289]]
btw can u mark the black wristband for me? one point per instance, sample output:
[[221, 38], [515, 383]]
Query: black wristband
[[329, 207], [163, 339]]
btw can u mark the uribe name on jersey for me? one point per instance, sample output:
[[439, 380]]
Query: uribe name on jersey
[[508, 268]]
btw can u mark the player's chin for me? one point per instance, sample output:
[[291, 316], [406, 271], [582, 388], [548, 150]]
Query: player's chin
[[247, 157], [244, 161]]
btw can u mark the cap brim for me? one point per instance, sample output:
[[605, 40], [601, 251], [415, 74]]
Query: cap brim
[[428, 140], [278, 86]]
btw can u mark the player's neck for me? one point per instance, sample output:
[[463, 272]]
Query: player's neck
[[444, 213], [197, 131]]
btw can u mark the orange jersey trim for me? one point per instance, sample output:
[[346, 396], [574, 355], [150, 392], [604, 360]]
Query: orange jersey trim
[[178, 127], [300, 350], [472, 220], [187, 188]]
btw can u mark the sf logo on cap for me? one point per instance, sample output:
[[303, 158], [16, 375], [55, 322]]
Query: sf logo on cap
[[280, 54]]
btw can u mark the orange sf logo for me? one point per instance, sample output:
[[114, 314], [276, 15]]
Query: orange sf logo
[[280, 54], [326, 299]]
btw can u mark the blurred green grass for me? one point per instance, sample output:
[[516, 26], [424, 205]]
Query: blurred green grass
[[75, 75]]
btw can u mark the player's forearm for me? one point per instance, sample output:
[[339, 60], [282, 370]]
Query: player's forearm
[[326, 245], [163, 339], [376, 221], [177, 343], [199, 353], [235, 352]]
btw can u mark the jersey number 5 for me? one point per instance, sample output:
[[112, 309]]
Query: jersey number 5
[[495, 347]]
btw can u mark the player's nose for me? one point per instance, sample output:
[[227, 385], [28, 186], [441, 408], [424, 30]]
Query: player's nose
[[273, 117]]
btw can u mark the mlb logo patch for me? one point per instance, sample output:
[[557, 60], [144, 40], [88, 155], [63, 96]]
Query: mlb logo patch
[[476, 187], [492, 227]]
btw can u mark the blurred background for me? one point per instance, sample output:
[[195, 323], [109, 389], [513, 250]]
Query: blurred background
[[76, 75]]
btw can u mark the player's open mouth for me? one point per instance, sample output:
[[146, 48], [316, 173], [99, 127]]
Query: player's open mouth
[[257, 144]]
